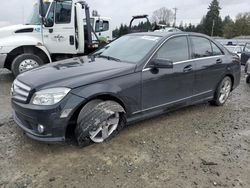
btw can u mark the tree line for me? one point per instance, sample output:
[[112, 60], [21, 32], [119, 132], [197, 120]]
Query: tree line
[[211, 24]]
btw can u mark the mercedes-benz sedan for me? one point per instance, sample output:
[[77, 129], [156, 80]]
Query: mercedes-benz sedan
[[136, 77]]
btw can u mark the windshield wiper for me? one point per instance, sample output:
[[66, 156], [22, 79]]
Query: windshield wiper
[[109, 58]]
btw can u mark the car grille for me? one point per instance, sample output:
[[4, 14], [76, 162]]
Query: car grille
[[20, 91]]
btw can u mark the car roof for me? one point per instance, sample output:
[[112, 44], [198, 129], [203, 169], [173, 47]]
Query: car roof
[[168, 34]]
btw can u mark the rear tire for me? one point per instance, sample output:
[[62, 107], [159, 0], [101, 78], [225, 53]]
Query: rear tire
[[95, 122], [222, 92], [248, 79], [25, 62]]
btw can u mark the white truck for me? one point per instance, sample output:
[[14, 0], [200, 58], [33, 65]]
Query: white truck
[[56, 29]]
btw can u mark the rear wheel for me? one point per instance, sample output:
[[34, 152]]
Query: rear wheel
[[25, 62], [99, 121], [248, 79], [222, 92]]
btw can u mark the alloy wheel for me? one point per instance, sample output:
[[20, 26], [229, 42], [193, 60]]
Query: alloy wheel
[[225, 91], [105, 129]]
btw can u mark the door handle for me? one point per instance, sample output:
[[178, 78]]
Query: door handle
[[188, 68], [218, 61], [71, 40], [50, 30]]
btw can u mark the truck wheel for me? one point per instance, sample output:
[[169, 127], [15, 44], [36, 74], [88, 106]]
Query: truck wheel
[[248, 79], [99, 121], [25, 62], [222, 92]]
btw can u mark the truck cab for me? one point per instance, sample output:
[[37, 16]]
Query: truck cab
[[55, 30]]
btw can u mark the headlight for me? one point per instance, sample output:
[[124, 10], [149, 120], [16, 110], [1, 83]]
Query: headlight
[[49, 96]]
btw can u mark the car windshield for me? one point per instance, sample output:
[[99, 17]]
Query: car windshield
[[132, 48], [34, 18]]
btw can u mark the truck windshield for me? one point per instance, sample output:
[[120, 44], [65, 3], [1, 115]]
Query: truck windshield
[[34, 18], [130, 49]]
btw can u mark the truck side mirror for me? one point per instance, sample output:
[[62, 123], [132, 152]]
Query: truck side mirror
[[100, 29], [48, 22]]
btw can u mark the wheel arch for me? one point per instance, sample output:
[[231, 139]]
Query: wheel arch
[[40, 51], [103, 96]]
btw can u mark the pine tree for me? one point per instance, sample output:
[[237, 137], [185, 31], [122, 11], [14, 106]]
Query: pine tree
[[213, 22]]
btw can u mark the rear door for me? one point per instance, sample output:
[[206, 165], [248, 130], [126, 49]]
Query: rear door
[[163, 87], [209, 66]]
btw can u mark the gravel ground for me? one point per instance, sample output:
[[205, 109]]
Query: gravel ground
[[198, 146]]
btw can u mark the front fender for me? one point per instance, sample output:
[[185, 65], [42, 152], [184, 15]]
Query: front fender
[[92, 91], [8, 44]]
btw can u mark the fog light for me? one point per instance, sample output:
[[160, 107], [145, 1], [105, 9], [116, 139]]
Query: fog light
[[40, 128]]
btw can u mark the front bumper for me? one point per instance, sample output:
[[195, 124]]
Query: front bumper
[[28, 117], [2, 60]]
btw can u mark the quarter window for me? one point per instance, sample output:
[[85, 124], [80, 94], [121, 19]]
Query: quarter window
[[175, 49], [201, 47], [216, 50], [63, 12]]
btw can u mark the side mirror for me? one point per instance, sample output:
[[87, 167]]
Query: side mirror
[[162, 64], [48, 22]]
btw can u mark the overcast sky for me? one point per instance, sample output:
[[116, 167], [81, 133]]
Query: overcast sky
[[121, 11]]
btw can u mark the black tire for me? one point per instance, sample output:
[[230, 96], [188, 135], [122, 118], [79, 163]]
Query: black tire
[[17, 61], [246, 67], [216, 101], [248, 79], [92, 115]]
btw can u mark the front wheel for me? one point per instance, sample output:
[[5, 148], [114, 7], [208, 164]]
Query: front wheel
[[222, 92], [25, 62], [99, 121]]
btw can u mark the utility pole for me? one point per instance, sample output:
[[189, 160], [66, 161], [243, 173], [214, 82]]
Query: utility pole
[[175, 15], [212, 32]]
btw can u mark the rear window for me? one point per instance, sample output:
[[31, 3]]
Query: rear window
[[201, 47]]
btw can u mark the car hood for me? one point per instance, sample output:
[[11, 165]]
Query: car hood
[[73, 73], [14, 29]]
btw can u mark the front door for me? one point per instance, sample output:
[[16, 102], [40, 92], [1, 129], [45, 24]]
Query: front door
[[102, 28], [169, 86], [59, 30]]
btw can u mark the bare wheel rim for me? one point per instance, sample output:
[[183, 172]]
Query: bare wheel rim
[[225, 91], [27, 64], [105, 129]]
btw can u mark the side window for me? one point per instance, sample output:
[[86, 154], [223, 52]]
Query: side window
[[63, 12], [216, 50], [101, 26], [175, 49], [201, 47], [50, 16]]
